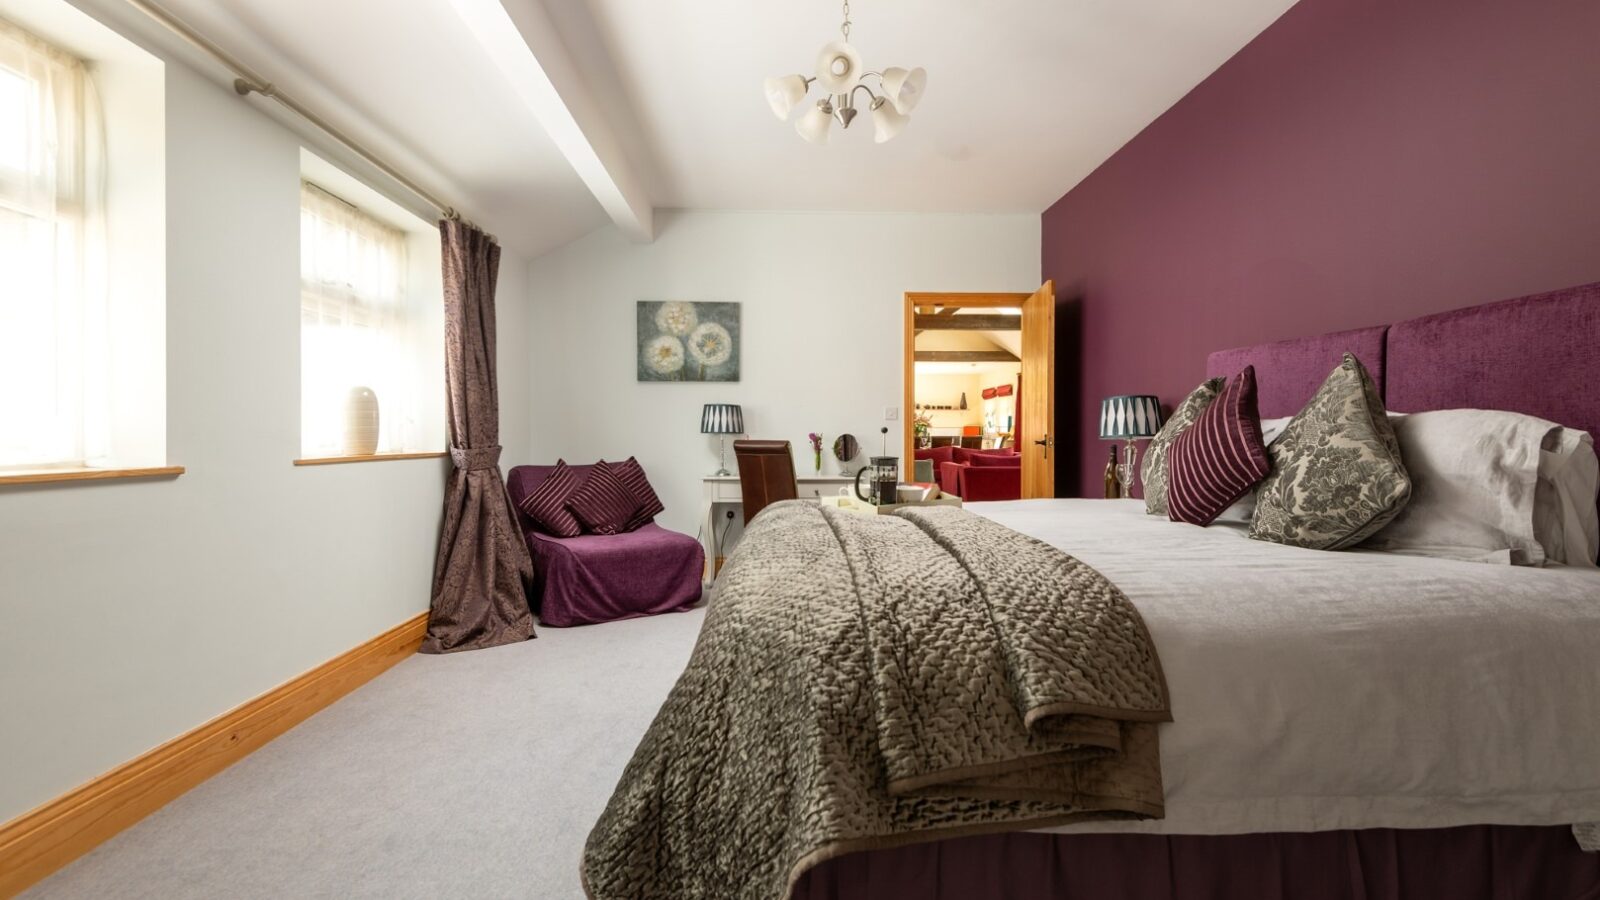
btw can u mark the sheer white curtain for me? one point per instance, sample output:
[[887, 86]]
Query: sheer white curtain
[[355, 326], [53, 344]]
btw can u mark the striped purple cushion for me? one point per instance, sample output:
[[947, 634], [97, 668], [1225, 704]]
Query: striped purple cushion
[[604, 504], [632, 475], [547, 505], [1216, 460]]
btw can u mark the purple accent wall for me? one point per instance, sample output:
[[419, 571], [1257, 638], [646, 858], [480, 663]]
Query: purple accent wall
[[1360, 162]]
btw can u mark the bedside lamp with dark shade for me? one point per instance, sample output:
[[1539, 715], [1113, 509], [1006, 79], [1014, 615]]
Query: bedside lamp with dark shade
[[1128, 418], [722, 419]]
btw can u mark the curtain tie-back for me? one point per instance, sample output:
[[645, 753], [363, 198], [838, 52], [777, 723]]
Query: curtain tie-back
[[472, 459]]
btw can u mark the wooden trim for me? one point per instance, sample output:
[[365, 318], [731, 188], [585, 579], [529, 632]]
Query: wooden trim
[[47, 476], [982, 322], [908, 412], [967, 356], [39, 842], [376, 457], [975, 300]]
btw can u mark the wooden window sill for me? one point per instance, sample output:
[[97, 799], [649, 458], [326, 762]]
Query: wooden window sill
[[376, 457], [46, 476]]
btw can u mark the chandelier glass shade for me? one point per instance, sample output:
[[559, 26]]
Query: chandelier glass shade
[[840, 74]]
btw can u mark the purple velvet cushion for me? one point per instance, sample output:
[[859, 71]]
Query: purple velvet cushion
[[987, 461], [1220, 457], [603, 504], [546, 505], [650, 506]]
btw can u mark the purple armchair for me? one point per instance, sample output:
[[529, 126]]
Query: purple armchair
[[601, 578], [976, 475]]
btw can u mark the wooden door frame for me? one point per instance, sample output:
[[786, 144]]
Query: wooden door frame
[[915, 299]]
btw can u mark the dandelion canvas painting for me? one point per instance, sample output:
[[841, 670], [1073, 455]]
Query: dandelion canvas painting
[[685, 341]]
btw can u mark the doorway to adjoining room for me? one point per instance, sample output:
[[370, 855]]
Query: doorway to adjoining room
[[979, 375]]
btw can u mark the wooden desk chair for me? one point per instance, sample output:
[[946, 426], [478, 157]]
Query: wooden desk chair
[[766, 474]]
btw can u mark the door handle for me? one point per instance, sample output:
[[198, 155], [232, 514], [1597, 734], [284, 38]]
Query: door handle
[[1046, 443]]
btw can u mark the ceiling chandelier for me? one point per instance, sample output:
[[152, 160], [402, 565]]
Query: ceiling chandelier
[[840, 75]]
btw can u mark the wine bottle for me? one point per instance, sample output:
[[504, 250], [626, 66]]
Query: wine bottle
[[1113, 483]]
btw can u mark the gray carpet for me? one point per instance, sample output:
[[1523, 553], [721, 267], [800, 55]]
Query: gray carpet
[[470, 775]]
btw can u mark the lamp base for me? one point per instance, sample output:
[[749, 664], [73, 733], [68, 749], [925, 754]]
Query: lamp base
[[1128, 469], [722, 457]]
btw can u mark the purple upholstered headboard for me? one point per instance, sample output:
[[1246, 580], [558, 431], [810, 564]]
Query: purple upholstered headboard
[[1538, 355], [1289, 372]]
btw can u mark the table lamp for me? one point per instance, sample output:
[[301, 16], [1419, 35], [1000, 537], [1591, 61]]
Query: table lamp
[[1128, 418], [722, 419]]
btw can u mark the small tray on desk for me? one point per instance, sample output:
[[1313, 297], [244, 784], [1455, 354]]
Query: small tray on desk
[[860, 507], [942, 500]]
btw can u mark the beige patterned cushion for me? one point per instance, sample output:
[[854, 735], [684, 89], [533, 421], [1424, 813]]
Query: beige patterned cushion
[[1337, 474], [1154, 470]]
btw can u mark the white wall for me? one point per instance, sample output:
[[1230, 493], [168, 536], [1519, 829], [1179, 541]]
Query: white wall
[[822, 328], [946, 390], [134, 611]]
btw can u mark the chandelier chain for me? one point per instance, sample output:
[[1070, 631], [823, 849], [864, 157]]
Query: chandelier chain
[[845, 28]]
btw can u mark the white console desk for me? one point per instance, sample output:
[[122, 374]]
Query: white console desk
[[722, 491]]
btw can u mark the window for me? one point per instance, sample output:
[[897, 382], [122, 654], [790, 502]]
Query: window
[[359, 331], [54, 356]]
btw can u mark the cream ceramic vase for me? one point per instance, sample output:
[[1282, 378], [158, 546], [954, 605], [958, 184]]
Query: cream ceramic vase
[[361, 422]]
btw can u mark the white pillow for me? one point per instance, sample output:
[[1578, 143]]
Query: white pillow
[[1565, 518], [1241, 511], [1475, 486]]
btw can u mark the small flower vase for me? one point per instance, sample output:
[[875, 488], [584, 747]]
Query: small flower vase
[[817, 462]]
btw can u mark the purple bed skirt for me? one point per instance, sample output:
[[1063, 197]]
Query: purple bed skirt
[[1476, 862]]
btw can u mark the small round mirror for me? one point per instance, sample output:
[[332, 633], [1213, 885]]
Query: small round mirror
[[846, 447]]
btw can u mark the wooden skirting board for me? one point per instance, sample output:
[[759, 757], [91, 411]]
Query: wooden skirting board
[[42, 841]]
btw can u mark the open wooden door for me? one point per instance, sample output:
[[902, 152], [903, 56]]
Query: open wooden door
[[1037, 441]]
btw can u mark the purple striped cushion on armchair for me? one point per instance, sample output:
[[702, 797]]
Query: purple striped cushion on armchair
[[547, 505], [1220, 457], [650, 506], [604, 504]]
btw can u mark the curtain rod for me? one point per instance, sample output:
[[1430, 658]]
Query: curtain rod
[[247, 81]]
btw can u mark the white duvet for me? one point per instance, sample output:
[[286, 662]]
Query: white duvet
[[1315, 690]]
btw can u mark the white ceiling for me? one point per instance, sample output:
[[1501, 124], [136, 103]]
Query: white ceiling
[[986, 370], [407, 79], [1024, 97]]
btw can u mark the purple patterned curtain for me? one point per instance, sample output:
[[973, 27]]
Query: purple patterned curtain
[[483, 569]]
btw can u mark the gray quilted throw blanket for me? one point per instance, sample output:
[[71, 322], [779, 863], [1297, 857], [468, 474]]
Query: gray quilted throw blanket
[[867, 681]]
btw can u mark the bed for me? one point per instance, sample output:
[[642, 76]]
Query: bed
[[1344, 724]]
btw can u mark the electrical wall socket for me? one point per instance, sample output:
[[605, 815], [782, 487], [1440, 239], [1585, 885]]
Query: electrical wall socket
[[891, 413]]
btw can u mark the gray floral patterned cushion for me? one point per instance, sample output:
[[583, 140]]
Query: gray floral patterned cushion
[[1154, 470], [1336, 470]]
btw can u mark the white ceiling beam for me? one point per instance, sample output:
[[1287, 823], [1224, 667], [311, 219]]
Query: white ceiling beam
[[521, 40]]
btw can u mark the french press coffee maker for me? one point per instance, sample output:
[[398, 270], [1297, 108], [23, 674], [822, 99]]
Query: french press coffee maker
[[884, 484]]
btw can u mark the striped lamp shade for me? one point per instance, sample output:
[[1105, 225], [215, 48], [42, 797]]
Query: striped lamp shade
[[1129, 416], [722, 418]]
